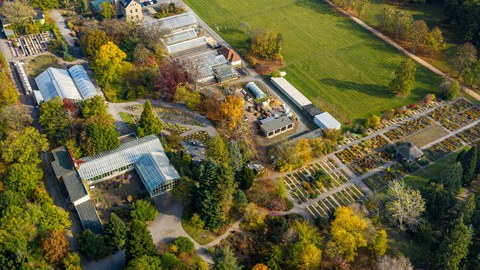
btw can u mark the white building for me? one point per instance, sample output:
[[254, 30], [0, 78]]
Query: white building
[[291, 92], [326, 121]]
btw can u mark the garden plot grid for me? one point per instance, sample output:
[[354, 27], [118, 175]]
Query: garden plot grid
[[456, 115], [344, 197]]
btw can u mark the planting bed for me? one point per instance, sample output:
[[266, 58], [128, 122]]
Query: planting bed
[[457, 121], [201, 136], [438, 150], [344, 197], [408, 128], [382, 178], [427, 135], [367, 163], [470, 135], [175, 128], [360, 150]]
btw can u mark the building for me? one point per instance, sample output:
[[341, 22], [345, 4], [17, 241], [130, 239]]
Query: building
[[208, 66], [326, 121], [178, 37], [130, 10], [77, 191], [23, 78], [145, 155], [272, 127], [409, 152], [256, 91], [291, 92], [200, 42], [232, 57], [73, 84], [175, 23]]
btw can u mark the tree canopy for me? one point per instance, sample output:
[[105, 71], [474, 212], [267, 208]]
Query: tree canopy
[[139, 241], [149, 123], [54, 119], [107, 63], [403, 82], [404, 205], [454, 246]]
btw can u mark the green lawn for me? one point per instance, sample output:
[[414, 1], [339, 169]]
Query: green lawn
[[333, 61]]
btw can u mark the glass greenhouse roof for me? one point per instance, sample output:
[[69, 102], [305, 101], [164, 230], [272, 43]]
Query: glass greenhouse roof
[[57, 82], [187, 45], [180, 36], [83, 82], [155, 170], [175, 22]]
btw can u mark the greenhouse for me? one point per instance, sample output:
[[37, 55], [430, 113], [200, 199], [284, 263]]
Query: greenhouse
[[57, 82], [176, 22], [257, 92], [180, 36], [187, 45], [82, 81], [156, 173]]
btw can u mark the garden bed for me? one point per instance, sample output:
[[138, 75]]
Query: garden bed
[[379, 180], [362, 149], [201, 136], [175, 128], [470, 135], [408, 128], [439, 150], [428, 135]]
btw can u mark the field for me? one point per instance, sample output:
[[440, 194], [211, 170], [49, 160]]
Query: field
[[333, 61], [428, 135]]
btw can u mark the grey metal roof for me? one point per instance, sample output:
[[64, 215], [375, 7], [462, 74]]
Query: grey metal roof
[[62, 164], [125, 155], [155, 170], [175, 22], [311, 110], [89, 217], [82, 81], [202, 64], [277, 123], [410, 152]]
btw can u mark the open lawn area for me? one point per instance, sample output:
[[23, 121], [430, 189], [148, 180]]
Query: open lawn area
[[337, 64], [427, 135]]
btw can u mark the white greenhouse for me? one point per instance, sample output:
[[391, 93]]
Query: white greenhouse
[[176, 22], [180, 36], [82, 81], [156, 173], [57, 82]]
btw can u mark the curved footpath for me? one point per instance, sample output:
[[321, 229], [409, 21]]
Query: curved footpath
[[400, 48]]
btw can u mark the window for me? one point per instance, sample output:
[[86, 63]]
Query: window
[[131, 10], [290, 126], [136, 10]]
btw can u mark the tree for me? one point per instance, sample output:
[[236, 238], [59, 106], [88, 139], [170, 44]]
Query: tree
[[361, 6], [116, 231], [465, 57], [467, 209], [240, 201], [91, 107], [437, 200], [402, 24], [454, 246], [23, 178], [23, 147], [404, 205], [182, 245], [404, 80], [217, 150], [245, 27], [17, 12], [434, 41], [14, 118], [55, 247], [149, 123], [275, 258], [254, 217], [54, 119], [260, 266], [419, 33], [92, 41], [373, 122], [235, 156], [145, 263], [215, 194], [264, 43], [100, 135], [310, 257], [468, 159], [449, 89], [44, 4], [380, 243], [386, 18], [246, 179], [225, 260], [232, 111], [8, 91], [394, 263], [72, 261], [348, 233], [93, 246], [107, 63], [451, 177], [143, 210], [139, 241], [108, 10]]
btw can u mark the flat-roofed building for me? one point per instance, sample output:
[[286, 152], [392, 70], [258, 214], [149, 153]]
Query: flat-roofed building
[[291, 92], [175, 23], [276, 126], [327, 121]]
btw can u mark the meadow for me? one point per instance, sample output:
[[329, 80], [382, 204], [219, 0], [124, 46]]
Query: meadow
[[337, 64]]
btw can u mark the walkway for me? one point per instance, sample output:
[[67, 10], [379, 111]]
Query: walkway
[[400, 48], [62, 26]]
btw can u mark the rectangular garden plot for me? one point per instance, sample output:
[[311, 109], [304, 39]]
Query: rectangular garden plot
[[462, 119], [439, 150], [362, 149], [470, 135], [381, 179], [408, 128], [346, 196]]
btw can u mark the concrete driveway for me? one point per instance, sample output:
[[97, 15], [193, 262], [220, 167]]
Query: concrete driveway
[[62, 26]]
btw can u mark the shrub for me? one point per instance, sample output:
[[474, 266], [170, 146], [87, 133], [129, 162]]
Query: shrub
[[183, 245], [92, 246], [143, 210], [247, 178]]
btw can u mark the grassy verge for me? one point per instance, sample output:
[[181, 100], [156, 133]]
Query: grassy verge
[[128, 119], [337, 64], [416, 250], [200, 236], [40, 63]]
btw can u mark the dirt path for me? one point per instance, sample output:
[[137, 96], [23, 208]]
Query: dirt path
[[400, 48]]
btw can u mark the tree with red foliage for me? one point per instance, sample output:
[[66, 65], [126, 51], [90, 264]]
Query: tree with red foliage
[[170, 75]]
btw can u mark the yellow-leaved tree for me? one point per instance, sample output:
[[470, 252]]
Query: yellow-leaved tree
[[348, 234], [107, 63], [232, 111], [380, 243]]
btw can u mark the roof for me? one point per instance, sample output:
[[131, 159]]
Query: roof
[[180, 36], [82, 81], [230, 54], [224, 72], [89, 217], [63, 167], [155, 169], [175, 22], [290, 90], [38, 96], [327, 121], [96, 4], [259, 94], [38, 15], [57, 82], [277, 123], [62, 164], [311, 110], [9, 32], [125, 3], [187, 45], [410, 152], [203, 63], [125, 155]]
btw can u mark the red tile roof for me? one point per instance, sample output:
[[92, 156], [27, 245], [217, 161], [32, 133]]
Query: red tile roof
[[230, 54]]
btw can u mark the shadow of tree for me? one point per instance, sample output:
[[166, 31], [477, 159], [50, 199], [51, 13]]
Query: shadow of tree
[[369, 89]]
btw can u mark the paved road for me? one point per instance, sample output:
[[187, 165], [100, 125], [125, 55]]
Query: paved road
[[400, 48], [62, 26]]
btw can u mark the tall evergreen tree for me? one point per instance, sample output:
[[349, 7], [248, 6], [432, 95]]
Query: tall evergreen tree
[[116, 231], [437, 200], [468, 208], [451, 177], [139, 241], [403, 82], [149, 123], [468, 159], [215, 194], [454, 246]]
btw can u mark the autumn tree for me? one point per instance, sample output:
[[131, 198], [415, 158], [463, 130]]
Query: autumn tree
[[403, 82], [394, 263], [149, 123], [380, 243], [305, 252], [108, 10], [23, 178], [23, 147], [361, 6], [260, 266], [139, 241], [143, 210], [54, 119], [170, 75], [17, 12], [348, 234], [404, 205], [454, 246], [14, 118], [254, 217], [8, 91], [55, 247], [217, 150], [182, 245], [116, 231], [232, 111], [44, 4], [107, 63], [72, 261], [419, 33], [373, 121], [267, 44], [99, 135], [434, 41], [92, 41], [91, 107], [465, 57], [191, 98], [449, 89]]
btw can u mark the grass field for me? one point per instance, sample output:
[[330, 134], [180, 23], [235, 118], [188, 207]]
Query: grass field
[[337, 64]]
